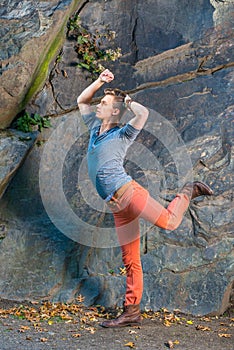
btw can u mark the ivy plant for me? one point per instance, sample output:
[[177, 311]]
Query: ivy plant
[[27, 122], [89, 47]]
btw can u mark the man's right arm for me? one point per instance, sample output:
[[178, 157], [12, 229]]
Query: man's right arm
[[84, 99]]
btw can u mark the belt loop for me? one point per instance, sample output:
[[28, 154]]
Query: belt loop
[[114, 199]]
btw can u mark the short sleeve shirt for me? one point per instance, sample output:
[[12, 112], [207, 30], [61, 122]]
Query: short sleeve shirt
[[106, 153]]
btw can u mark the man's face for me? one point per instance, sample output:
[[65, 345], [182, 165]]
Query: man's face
[[105, 109]]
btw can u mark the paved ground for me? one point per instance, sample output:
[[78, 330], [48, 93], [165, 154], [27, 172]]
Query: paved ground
[[28, 326]]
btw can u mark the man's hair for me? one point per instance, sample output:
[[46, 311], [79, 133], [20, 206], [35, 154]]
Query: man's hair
[[119, 97]]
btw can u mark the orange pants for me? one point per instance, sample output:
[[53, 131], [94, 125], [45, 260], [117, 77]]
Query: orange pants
[[134, 204]]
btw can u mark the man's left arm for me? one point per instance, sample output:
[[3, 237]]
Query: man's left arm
[[141, 113]]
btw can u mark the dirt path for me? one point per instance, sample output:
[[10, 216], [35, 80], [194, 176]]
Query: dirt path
[[25, 326]]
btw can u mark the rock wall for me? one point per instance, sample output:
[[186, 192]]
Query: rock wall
[[14, 147], [58, 240], [31, 34]]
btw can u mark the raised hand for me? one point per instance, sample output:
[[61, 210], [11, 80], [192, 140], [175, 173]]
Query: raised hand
[[106, 76]]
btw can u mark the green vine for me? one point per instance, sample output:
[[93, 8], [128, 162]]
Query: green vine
[[28, 123], [89, 49]]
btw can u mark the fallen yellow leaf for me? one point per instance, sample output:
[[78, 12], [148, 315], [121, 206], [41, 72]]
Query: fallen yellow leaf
[[80, 298], [145, 315], [23, 329], [130, 345], [202, 328], [170, 344], [223, 330], [92, 330], [76, 335], [93, 319], [189, 322], [122, 270], [164, 309], [170, 317], [167, 323], [43, 340], [224, 335]]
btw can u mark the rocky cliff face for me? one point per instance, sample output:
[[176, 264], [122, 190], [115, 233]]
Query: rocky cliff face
[[57, 238], [31, 34]]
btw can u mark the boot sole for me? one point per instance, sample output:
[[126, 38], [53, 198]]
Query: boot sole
[[209, 190], [122, 325]]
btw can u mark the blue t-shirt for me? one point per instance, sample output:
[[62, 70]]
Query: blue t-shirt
[[106, 153]]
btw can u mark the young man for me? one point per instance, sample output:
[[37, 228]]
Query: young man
[[125, 197]]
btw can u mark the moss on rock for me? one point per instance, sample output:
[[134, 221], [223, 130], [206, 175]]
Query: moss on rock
[[41, 72]]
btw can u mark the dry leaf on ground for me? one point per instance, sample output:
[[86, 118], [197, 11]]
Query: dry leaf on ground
[[170, 344], [130, 345], [43, 340], [224, 335], [76, 335], [202, 328]]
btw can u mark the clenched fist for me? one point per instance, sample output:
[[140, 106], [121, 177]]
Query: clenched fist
[[106, 76]]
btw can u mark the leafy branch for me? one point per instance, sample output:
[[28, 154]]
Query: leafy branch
[[27, 123], [88, 48]]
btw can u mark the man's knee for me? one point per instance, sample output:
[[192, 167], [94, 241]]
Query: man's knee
[[169, 224]]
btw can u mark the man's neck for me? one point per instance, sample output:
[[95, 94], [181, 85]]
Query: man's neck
[[105, 126]]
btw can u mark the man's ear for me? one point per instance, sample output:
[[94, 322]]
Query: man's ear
[[116, 111]]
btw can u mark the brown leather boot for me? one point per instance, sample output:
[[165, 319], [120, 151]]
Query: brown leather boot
[[196, 189], [131, 316]]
